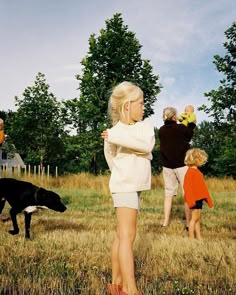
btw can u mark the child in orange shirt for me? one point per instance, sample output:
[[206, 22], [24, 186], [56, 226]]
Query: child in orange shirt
[[195, 189]]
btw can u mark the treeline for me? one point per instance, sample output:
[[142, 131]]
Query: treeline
[[66, 134]]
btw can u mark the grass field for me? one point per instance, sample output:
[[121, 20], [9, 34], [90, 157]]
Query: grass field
[[69, 253]]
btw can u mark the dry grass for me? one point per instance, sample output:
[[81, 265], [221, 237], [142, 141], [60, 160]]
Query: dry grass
[[70, 253], [100, 182]]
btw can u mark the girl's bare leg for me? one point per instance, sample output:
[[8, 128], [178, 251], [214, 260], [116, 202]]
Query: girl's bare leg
[[126, 224], [187, 214], [167, 209], [194, 223], [116, 274], [197, 226]]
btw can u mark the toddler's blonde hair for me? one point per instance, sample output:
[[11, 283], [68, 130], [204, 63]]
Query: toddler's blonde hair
[[195, 157], [189, 108], [169, 113], [123, 93]]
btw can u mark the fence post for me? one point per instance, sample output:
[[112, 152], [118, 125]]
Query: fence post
[[48, 174], [43, 172], [18, 170], [29, 170], [39, 170]]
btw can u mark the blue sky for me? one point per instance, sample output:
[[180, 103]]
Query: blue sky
[[51, 36]]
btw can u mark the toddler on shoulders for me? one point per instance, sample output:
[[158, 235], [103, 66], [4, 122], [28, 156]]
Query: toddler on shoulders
[[188, 116]]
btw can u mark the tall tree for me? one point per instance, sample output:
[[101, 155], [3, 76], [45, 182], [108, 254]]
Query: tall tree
[[223, 106], [223, 100], [112, 57], [37, 127]]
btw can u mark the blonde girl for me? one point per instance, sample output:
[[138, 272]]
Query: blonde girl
[[127, 147], [195, 189]]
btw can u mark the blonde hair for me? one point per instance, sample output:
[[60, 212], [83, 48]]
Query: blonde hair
[[189, 108], [123, 93], [195, 157], [169, 113]]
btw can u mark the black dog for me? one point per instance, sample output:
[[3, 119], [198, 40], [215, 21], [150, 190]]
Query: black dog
[[24, 196]]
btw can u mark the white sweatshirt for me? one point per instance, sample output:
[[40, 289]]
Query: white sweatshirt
[[128, 154]]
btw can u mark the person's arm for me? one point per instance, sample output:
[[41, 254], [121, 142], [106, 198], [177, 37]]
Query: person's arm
[[192, 118], [140, 139], [188, 189], [110, 153], [182, 117], [2, 136], [205, 189], [188, 131]]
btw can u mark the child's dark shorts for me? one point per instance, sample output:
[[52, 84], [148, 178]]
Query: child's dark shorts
[[198, 204]]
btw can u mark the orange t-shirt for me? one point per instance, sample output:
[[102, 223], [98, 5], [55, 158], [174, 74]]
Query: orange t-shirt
[[2, 136], [195, 188]]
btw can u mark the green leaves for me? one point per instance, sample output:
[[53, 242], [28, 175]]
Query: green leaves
[[223, 108], [37, 124], [114, 56], [223, 100]]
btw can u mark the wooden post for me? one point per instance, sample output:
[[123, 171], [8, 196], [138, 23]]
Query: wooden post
[[18, 170], [43, 172], [7, 169]]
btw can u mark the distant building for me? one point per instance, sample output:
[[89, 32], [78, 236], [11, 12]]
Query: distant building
[[8, 164]]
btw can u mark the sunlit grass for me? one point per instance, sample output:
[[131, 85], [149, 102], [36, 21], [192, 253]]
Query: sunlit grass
[[70, 252]]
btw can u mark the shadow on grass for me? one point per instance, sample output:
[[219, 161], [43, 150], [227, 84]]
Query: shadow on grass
[[51, 225]]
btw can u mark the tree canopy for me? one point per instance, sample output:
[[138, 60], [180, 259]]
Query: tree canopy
[[114, 56], [36, 128], [223, 107], [39, 127]]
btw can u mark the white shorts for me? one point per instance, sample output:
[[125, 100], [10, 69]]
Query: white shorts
[[172, 179], [129, 200]]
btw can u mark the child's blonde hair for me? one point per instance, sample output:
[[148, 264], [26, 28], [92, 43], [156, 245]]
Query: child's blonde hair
[[195, 157], [169, 113], [123, 93]]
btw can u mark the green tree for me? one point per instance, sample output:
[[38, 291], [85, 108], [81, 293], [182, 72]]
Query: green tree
[[112, 57], [206, 137], [223, 106], [156, 161], [37, 127]]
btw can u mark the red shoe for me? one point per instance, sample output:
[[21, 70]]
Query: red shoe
[[114, 289], [4, 218], [123, 293]]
